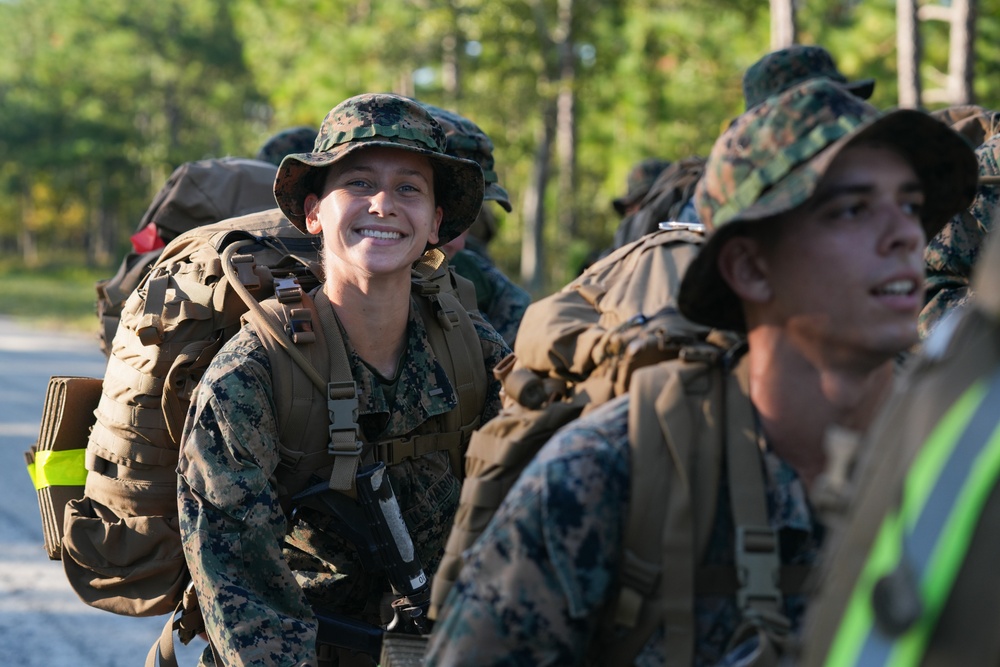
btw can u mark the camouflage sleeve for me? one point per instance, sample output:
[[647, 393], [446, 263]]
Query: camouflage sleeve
[[535, 582], [231, 523], [494, 350], [508, 305], [948, 261]]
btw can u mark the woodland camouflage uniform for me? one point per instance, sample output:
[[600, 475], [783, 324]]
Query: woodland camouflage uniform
[[257, 588]]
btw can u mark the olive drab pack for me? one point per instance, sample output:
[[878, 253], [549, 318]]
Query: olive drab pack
[[910, 575], [197, 193], [666, 198]]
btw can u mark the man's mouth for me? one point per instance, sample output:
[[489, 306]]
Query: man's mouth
[[896, 288]]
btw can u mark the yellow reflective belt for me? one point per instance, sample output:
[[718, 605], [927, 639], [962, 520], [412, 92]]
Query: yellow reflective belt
[[65, 468], [31, 474]]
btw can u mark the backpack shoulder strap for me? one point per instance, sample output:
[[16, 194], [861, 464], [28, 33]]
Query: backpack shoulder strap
[[666, 436], [685, 419], [455, 342]]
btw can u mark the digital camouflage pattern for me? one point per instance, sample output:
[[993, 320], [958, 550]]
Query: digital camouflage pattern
[[772, 157], [500, 301], [952, 253], [466, 140], [369, 120], [780, 70], [256, 587], [540, 576], [286, 142], [638, 182]]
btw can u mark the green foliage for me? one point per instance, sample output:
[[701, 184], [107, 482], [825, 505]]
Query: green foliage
[[57, 295], [99, 102]]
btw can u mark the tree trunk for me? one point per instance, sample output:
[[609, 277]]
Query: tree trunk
[[532, 238], [908, 54], [962, 39], [783, 30], [566, 120]]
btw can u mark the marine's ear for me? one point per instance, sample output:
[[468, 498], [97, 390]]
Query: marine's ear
[[311, 207], [744, 267]]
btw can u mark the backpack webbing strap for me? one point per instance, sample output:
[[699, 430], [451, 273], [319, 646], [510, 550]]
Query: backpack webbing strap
[[650, 594], [758, 564], [398, 450], [463, 362], [341, 399]]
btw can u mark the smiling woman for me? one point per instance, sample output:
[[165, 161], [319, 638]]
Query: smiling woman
[[382, 192]]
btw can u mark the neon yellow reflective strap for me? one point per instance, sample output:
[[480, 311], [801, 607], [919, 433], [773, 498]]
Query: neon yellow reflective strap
[[944, 493], [65, 468], [31, 473]]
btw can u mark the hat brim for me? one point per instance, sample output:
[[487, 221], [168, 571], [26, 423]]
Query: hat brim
[[862, 88], [946, 166], [460, 194], [496, 193]]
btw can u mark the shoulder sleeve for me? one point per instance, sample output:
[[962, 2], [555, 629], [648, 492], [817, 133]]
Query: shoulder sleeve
[[535, 582], [231, 523]]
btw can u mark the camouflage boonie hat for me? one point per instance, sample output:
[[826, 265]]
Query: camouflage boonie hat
[[286, 142], [466, 140], [973, 122], [390, 121], [773, 156], [639, 181], [780, 70]]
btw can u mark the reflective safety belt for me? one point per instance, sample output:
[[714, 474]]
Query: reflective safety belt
[[58, 468], [921, 545]]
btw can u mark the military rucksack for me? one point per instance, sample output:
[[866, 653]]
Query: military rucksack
[[666, 198], [196, 194], [121, 547]]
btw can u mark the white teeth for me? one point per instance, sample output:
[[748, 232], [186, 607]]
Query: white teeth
[[375, 234], [897, 287]]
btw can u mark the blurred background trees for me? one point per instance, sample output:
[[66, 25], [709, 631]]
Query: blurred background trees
[[100, 101]]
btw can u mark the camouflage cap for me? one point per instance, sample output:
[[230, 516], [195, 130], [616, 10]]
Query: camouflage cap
[[771, 159], [973, 122], [640, 179], [286, 142], [383, 120], [780, 70], [466, 140]]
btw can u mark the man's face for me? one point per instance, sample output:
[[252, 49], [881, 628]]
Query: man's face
[[845, 270], [376, 212]]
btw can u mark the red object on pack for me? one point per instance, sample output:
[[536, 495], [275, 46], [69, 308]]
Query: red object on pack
[[147, 239]]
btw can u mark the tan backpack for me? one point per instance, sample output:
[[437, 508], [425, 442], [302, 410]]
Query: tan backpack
[[121, 545]]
